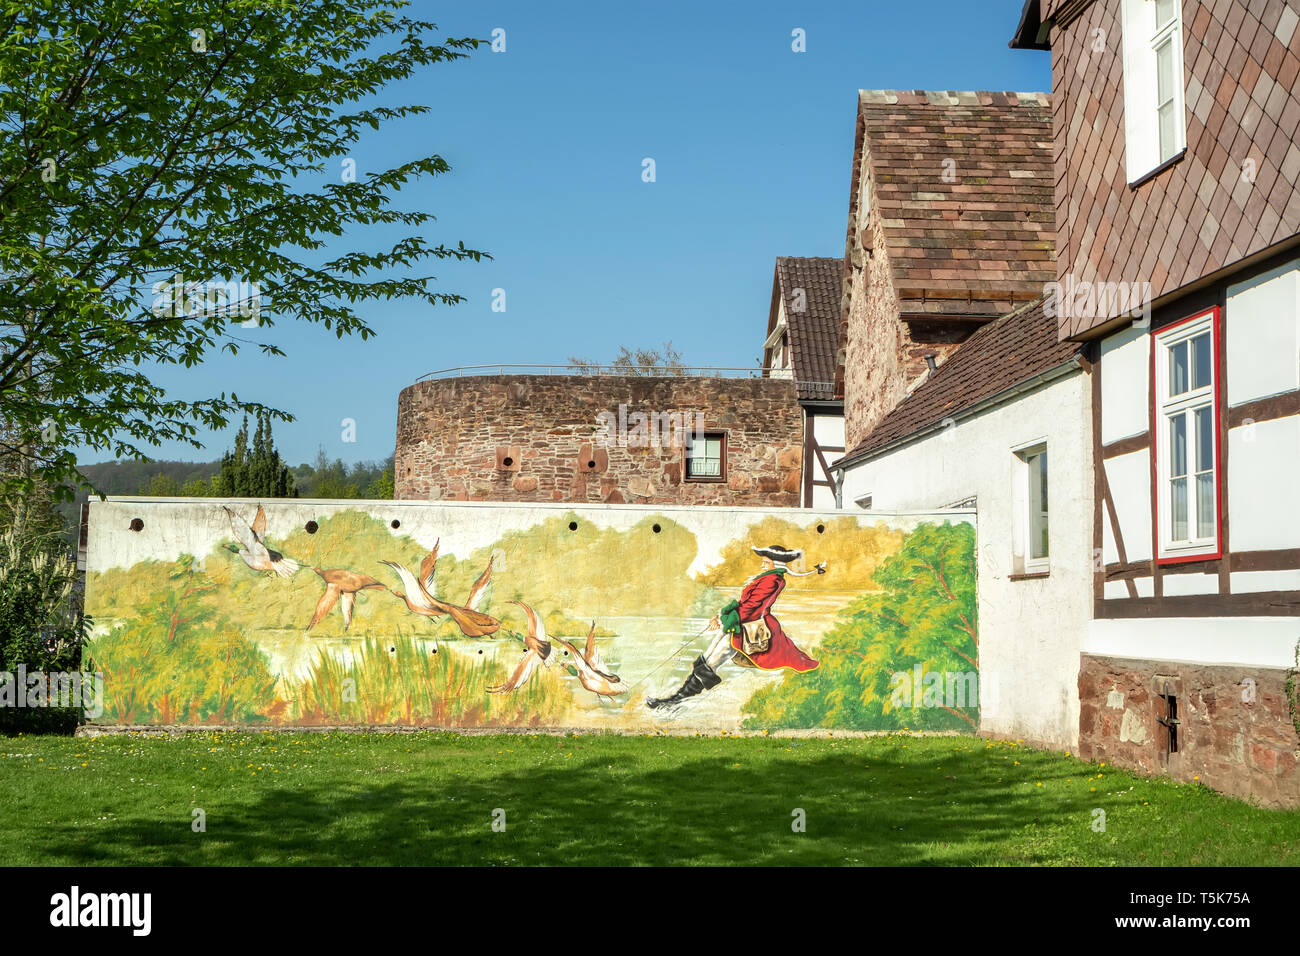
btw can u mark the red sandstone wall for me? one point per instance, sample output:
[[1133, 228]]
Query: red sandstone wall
[[454, 436], [1245, 748]]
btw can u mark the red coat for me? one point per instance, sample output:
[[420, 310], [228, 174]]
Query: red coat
[[755, 604]]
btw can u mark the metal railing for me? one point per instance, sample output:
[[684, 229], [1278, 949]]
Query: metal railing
[[647, 371]]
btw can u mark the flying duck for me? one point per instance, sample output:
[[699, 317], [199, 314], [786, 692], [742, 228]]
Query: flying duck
[[592, 674], [539, 652], [420, 600], [341, 584], [254, 551]]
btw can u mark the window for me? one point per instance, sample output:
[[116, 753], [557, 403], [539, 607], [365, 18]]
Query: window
[[1032, 550], [1185, 357], [1154, 130], [706, 457]]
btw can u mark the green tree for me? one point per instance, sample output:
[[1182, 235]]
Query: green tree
[[382, 486], [169, 173], [924, 615], [254, 471]]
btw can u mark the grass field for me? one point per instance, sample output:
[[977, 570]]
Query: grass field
[[429, 798]]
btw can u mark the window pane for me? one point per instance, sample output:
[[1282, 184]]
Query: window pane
[[1164, 12], [1168, 141], [1178, 368], [1205, 505], [1204, 439], [1178, 445], [704, 458], [1201, 356], [1037, 465], [1164, 73], [1178, 509]]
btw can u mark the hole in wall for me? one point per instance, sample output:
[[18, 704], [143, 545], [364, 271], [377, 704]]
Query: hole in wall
[[592, 463], [821, 529], [656, 529], [137, 524], [311, 527], [507, 461], [394, 524], [573, 526]]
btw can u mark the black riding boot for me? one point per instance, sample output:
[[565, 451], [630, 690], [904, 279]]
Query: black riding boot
[[701, 678]]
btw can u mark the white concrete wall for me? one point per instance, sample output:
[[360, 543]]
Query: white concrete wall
[[1032, 630]]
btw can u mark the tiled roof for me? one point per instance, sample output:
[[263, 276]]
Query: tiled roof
[[962, 183], [998, 355], [814, 330]]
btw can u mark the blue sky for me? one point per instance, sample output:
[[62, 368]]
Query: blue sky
[[752, 145]]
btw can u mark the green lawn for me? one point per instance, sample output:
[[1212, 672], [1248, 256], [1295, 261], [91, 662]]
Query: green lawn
[[429, 798]]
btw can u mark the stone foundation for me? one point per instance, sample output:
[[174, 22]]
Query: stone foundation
[[1234, 735]]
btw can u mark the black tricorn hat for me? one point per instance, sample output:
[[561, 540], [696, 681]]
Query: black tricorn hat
[[779, 553]]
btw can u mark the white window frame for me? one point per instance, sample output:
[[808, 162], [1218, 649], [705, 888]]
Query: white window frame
[[1023, 456], [706, 437], [1199, 546], [1142, 39]]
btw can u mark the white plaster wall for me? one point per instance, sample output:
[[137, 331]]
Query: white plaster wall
[[1125, 369], [1031, 631], [1258, 641], [828, 429], [1129, 480], [1263, 493], [1262, 329]]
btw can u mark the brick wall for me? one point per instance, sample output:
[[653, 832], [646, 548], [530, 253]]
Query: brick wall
[[1242, 97], [1247, 748], [883, 354], [538, 438]]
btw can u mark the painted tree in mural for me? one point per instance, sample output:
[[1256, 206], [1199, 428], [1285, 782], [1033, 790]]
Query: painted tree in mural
[[906, 656], [169, 176]]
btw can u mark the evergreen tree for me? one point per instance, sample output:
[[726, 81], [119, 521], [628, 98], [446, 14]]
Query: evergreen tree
[[258, 472]]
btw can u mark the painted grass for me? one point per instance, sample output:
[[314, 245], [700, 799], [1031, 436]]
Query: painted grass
[[428, 798]]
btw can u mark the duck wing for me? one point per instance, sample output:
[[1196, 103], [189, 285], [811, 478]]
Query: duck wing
[[258, 527], [527, 665], [428, 569], [476, 592], [324, 605]]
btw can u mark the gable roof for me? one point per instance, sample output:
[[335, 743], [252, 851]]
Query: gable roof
[[962, 182], [815, 329], [1008, 352]]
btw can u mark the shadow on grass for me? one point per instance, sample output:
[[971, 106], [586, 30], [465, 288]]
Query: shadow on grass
[[734, 808]]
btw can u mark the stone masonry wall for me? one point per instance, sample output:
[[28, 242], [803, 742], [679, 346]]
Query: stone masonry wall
[[1234, 736], [539, 438]]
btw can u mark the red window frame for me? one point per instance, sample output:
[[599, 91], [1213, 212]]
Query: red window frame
[[1217, 413]]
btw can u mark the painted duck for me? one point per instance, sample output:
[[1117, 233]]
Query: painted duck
[[538, 653], [592, 673], [420, 600], [341, 587], [253, 550]]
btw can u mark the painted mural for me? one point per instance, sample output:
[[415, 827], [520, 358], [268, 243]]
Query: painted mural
[[512, 616]]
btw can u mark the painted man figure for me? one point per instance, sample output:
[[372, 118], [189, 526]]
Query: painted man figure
[[766, 646]]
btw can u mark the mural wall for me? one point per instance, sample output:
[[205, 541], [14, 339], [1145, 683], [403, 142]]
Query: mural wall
[[286, 613]]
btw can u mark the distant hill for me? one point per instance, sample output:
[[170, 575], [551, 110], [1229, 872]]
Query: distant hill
[[128, 478]]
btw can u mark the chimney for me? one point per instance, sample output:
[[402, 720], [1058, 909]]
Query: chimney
[[931, 363]]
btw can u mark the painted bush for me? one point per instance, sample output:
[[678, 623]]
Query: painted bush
[[471, 615]]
